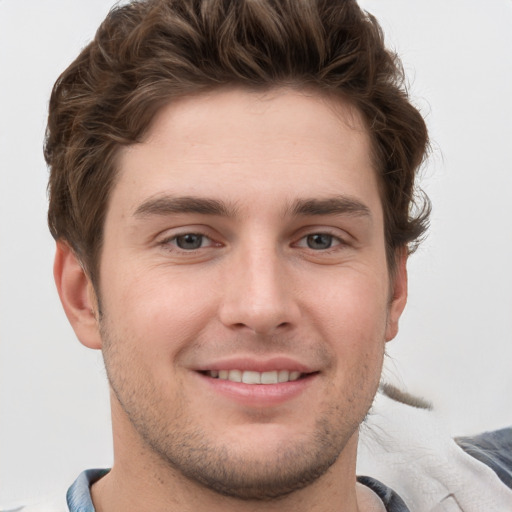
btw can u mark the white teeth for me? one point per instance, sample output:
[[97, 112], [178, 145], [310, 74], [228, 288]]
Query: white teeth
[[294, 375], [235, 376], [283, 376], [252, 377], [269, 378]]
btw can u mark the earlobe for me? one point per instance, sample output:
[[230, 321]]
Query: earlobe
[[398, 294], [77, 296]]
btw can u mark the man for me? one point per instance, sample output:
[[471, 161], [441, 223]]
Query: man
[[230, 191]]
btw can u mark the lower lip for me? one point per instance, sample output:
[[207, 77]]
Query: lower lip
[[259, 395]]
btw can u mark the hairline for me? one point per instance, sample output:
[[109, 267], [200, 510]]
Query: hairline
[[332, 97]]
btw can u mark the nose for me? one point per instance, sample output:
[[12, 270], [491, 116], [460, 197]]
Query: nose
[[259, 293]]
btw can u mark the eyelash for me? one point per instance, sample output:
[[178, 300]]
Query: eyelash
[[174, 241], [334, 241]]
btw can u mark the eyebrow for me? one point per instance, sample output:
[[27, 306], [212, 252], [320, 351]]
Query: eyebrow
[[330, 206], [168, 205]]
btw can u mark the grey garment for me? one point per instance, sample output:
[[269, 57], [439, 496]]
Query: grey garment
[[493, 449], [389, 497]]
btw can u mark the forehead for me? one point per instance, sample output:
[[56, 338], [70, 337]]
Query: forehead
[[279, 145]]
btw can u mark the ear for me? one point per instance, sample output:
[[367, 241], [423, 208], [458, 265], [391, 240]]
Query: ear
[[77, 296], [398, 290]]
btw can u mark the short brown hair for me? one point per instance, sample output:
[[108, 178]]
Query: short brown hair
[[147, 53]]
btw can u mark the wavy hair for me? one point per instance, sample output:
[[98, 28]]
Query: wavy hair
[[150, 52]]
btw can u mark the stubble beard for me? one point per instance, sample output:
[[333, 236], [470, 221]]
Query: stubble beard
[[222, 471], [184, 448]]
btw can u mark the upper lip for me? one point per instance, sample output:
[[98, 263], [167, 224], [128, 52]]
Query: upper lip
[[257, 365]]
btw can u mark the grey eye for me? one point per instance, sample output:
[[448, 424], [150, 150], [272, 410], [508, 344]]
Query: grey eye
[[190, 241], [319, 241]]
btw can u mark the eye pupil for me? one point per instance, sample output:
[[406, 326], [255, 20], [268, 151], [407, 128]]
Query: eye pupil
[[189, 241], [319, 241]]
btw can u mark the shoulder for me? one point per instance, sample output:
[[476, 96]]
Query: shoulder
[[409, 449], [493, 449]]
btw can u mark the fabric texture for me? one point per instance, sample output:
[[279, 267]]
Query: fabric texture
[[493, 449], [78, 496], [409, 449]]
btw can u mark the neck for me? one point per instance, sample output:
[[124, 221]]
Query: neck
[[114, 494], [140, 480]]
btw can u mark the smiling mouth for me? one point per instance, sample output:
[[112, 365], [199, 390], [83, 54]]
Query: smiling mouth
[[252, 377]]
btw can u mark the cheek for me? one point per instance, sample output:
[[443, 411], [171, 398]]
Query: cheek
[[352, 317], [157, 311], [355, 304]]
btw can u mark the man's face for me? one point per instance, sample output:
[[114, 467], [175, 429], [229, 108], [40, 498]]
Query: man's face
[[244, 241]]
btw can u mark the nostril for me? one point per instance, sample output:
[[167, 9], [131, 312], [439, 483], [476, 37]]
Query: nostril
[[260, 316]]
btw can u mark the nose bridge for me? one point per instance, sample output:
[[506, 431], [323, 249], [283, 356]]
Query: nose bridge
[[259, 295]]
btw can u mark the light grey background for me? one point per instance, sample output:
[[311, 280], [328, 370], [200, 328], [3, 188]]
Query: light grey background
[[455, 344]]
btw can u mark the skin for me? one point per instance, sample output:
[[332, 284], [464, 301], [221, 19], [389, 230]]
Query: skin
[[287, 268]]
